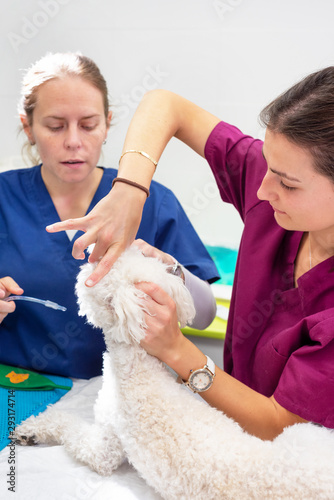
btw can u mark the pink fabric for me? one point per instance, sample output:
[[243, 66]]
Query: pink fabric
[[280, 339]]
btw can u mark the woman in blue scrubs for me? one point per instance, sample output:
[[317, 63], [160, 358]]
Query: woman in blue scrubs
[[65, 115]]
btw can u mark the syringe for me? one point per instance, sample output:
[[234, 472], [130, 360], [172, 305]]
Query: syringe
[[46, 303]]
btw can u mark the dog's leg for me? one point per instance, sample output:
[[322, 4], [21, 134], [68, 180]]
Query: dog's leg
[[94, 445], [47, 428]]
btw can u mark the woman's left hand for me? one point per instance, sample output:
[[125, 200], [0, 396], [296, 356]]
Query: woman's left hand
[[163, 338], [149, 251]]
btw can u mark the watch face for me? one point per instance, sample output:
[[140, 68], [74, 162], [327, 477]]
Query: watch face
[[200, 380]]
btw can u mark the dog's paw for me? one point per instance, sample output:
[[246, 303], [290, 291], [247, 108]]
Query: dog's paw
[[23, 440], [24, 434], [35, 430]]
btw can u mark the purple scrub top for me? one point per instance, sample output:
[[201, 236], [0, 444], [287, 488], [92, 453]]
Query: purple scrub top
[[279, 338]]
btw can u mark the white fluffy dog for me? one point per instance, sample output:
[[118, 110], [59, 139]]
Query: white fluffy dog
[[180, 445]]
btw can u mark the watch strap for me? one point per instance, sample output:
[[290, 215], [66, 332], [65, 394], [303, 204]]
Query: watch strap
[[211, 365]]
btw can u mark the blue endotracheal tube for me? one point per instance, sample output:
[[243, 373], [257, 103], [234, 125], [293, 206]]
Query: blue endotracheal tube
[[46, 303]]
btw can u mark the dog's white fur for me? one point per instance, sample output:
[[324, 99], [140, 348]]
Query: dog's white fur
[[180, 445]]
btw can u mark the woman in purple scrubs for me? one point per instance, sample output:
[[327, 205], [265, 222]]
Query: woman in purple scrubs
[[279, 349]]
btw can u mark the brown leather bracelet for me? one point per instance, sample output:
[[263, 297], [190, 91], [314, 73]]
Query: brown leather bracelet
[[131, 183]]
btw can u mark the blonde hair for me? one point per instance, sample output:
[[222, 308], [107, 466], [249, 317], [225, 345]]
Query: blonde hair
[[53, 66]]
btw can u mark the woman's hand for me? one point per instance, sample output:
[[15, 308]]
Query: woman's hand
[[112, 225], [163, 336], [150, 251], [8, 287]]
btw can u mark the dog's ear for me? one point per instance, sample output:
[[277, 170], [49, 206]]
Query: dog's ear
[[114, 304], [88, 298], [128, 319], [184, 302]]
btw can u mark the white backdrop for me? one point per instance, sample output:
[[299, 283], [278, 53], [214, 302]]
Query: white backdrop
[[229, 56]]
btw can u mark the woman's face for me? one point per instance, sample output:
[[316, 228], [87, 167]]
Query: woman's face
[[302, 199], [68, 128]]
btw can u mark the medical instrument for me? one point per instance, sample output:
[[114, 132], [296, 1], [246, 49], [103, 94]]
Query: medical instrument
[[46, 303]]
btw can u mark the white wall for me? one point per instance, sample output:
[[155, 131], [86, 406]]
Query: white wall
[[229, 56]]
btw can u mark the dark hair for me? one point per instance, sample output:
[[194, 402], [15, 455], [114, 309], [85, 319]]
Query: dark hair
[[304, 114]]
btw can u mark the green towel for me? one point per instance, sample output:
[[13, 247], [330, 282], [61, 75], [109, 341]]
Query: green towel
[[12, 377]]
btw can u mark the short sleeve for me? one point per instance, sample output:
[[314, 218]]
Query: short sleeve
[[237, 164]]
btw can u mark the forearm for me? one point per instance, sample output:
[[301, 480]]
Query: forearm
[[257, 414], [204, 300], [160, 116], [152, 126]]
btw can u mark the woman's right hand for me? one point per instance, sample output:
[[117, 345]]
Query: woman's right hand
[[112, 225], [8, 287]]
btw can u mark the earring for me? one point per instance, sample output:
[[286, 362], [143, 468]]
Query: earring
[[104, 142]]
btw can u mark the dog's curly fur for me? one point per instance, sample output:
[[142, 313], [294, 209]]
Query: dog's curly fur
[[180, 445]]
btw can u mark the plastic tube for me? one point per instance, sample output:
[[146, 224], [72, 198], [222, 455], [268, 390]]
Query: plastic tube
[[46, 303]]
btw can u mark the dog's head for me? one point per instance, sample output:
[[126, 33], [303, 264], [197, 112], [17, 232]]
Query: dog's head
[[117, 306]]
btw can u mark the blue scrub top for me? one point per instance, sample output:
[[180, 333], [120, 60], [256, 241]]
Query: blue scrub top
[[59, 342]]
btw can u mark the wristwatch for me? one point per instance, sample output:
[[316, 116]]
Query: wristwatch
[[202, 379]]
